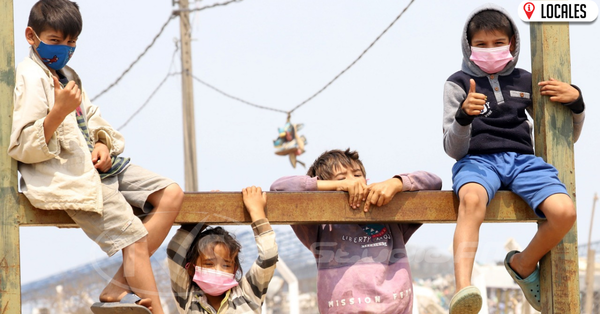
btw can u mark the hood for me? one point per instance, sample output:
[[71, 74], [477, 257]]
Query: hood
[[471, 68]]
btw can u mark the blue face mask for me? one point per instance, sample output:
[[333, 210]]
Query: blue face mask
[[54, 56]]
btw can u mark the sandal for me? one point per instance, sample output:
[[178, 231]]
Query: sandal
[[466, 301], [127, 305], [530, 285]]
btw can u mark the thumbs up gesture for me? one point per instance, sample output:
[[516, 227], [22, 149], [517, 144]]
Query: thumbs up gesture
[[66, 99], [473, 105]]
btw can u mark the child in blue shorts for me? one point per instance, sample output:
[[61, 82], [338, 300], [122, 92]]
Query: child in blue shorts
[[487, 131]]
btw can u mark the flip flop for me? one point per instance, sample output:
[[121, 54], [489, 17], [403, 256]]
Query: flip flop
[[127, 305], [530, 285], [466, 301]]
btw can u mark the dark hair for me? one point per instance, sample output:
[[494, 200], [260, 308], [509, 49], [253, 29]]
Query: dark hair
[[60, 15], [211, 237], [326, 164], [489, 21]]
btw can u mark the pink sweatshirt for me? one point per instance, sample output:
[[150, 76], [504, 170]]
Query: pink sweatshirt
[[362, 268]]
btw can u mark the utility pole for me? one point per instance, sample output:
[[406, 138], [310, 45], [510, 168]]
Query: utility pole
[[591, 266], [187, 85], [10, 270]]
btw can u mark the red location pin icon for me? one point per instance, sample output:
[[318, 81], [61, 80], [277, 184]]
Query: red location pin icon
[[528, 8]]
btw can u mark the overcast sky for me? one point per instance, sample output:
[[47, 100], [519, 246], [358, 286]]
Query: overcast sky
[[277, 53]]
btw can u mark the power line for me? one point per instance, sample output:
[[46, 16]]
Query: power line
[[136, 60], [326, 85], [240, 99], [169, 74], [147, 100], [237, 98], [172, 16], [208, 6], [353, 62]]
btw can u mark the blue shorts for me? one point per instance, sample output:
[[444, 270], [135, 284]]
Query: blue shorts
[[526, 175]]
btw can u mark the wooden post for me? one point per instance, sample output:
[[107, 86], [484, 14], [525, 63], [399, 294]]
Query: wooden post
[[589, 281], [554, 142], [187, 96], [10, 281], [590, 266]]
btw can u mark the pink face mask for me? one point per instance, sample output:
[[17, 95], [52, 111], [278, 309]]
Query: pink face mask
[[491, 60], [214, 282]]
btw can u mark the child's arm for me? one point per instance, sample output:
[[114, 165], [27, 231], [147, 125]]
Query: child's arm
[[570, 96], [66, 100], [307, 234], [255, 201], [357, 190], [34, 135], [295, 184], [256, 280], [101, 131], [420, 180], [560, 92], [472, 105], [177, 250], [383, 192], [457, 122]]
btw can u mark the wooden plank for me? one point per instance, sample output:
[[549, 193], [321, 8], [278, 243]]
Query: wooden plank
[[10, 282], [554, 142], [314, 207]]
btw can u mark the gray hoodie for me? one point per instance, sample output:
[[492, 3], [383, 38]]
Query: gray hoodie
[[503, 125]]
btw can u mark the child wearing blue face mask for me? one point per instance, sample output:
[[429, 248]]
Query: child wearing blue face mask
[[69, 159], [204, 265], [487, 131]]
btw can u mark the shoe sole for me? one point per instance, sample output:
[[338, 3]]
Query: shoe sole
[[467, 301]]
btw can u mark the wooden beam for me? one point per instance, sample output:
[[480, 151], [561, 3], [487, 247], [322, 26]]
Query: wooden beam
[[10, 281], [554, 142], [313, 207]]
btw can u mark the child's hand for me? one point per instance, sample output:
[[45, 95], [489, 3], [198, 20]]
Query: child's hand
[[473, 105], [66, 99], [255, 201], [559, 91], [382, 193], [357, 191], [101, 157]]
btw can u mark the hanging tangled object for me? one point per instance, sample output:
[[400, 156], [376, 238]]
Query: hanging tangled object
[[290, 143]]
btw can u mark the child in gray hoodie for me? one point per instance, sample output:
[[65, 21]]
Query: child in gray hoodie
[[487, 131]]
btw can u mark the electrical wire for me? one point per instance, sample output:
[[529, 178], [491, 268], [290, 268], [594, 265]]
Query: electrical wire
[[353, 62], [236, 98], [207, 7], [147, 100], [169, 74], [171, 17], [324, 87]]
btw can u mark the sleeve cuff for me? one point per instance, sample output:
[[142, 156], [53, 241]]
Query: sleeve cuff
[[577, 106], [261, 226], [406, 184], [311, 184], [52, 148], [104, 138], [463, 118]]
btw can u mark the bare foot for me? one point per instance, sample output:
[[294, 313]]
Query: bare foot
[[146, 302], [143, 302], [113, 293]]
